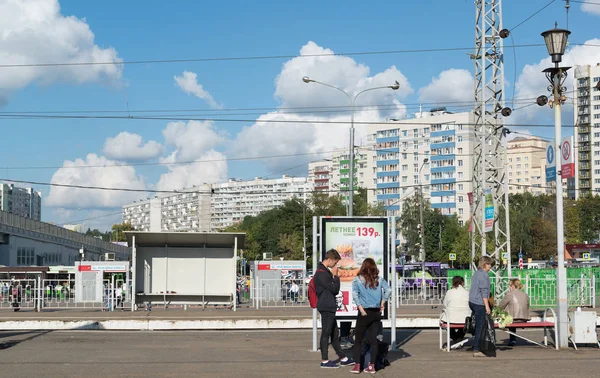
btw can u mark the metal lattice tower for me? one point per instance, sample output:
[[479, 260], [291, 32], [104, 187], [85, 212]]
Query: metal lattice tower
[[490, 162]]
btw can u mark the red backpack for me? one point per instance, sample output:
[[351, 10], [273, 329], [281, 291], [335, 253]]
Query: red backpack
[[313, 298]]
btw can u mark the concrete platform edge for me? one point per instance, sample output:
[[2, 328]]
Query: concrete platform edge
[[207, 324]]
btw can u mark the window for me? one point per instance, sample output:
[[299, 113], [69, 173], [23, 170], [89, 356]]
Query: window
[[25, 256], [526, 166], [518, 159], [405, 167], [596, 116], [460, 127], [460, 199], [459, 138], [461, 175], [460, 186], [596, 98], [404, 156], [404, 179], [596, 107], [461, 212], [526, 158], [460, 150], [416, 179], [460, 163], [415, 133]]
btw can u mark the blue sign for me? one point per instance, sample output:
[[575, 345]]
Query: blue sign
[[550, 163], [520, 255]]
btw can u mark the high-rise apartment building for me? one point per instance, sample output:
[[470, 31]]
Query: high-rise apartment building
[[24, 202], [213, 207], [236, 199], [527, 165], [333, 175], [433, 150], [587, 129]]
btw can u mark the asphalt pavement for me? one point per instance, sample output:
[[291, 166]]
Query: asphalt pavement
[[262, 354]]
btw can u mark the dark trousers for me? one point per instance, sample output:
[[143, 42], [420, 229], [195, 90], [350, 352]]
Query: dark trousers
[[457, 334], [479, 311], [368, 324], [330, 330]]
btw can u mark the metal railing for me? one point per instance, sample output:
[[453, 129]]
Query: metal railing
[[280, 293], [581, 291], [18, 294]]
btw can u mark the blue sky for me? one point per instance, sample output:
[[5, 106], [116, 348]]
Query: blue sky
[[157, 30]]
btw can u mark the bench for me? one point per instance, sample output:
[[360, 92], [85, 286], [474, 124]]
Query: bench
[[545, 324]]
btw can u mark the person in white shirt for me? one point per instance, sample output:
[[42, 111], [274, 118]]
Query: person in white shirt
[[456, 306], [294, 292]]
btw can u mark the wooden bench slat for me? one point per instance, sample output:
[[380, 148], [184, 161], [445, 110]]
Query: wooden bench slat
[[513, 325]]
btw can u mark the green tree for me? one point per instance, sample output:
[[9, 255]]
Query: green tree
[[118, 231]]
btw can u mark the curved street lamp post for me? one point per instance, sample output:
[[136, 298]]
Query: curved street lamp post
[[352, 100]]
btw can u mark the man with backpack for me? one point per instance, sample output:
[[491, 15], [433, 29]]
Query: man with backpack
[[327, 286]]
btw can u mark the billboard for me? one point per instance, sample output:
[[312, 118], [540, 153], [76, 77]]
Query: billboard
[[489, 210], [551, 163], [355, 239]]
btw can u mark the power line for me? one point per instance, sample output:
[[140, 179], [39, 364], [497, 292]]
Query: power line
[[170, 163], [256, 57], [533, 15], [237, 120], [291, 109]]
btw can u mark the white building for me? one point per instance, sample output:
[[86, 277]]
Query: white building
[[435, 150], [587, 129], [24, 202], [213, 207], [527, 165], [236, 199], [189, 211], [333, 175]]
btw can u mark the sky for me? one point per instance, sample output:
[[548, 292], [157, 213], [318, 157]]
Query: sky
[[225, 117]]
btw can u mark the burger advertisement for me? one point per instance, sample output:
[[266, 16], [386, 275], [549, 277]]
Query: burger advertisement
[[355, 239]]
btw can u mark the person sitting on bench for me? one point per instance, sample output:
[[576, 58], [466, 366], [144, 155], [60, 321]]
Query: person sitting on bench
[[516, 303], [456, 306]]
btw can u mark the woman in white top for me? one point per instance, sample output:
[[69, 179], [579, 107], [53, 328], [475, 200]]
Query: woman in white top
[[456, 306]]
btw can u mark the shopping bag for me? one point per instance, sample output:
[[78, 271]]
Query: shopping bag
[[487, 338]]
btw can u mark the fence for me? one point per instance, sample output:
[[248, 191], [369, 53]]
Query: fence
[[40, 294], [581, 291], [281, 293]]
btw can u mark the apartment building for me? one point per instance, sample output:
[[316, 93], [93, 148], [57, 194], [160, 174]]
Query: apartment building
[[213, 207], [527, 165], [435, 150], [24, 202], [236, 199], [333, 175], [319, 175], [587, 129]]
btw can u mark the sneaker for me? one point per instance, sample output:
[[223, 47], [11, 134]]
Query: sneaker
[[348, 362], [478, 354], [329, 365], [355, 369], [370, 369]]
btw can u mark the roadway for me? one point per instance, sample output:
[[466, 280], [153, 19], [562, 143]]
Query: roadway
[[262, 354]]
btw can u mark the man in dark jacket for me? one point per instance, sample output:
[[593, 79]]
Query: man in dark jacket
[[327, 285]]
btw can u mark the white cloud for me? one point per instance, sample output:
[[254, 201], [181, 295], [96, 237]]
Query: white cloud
[[191, 139], [188, 83], [98, 174], [533, 83], [295, 137], [130, 147], [590, 8], [453, 85], [35, 31], [188, 175]]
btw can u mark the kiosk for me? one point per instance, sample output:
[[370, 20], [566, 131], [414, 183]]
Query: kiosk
[[184, 267]]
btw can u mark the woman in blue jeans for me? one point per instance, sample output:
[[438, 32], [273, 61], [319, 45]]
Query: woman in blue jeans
[[369, 293], [479, 295]]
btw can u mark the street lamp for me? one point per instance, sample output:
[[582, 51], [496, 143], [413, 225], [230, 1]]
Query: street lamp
[[425, 161], [352, 100], [556, 42]]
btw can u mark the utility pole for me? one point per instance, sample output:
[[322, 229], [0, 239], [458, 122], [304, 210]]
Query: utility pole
[[490, 178]]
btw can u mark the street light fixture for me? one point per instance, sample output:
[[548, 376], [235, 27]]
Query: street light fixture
[[422, 249], [556, 41], [352, 100]]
